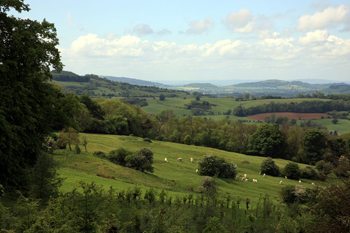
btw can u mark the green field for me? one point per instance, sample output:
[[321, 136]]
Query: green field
[[177, 178], [342, 127]]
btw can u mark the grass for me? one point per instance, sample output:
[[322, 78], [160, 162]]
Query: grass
[[342, 126], [178, 178]]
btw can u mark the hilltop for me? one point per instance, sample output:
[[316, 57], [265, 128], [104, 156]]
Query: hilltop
[[94, 85]]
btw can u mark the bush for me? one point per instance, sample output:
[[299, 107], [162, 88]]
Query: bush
[[118, 156], [138, 162], [309, 173], [214, 166], [77, 149], [292, 171], [343, 168], [269, 167], [100, 154], [324, 167], [147, 140], [298, 194]]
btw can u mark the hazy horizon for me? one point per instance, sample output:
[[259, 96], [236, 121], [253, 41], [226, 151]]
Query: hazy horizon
[[203, 41]]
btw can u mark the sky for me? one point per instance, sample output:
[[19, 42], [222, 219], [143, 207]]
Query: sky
[[221, 41]]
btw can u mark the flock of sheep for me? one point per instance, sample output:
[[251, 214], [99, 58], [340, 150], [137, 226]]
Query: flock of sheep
[[244, 178]]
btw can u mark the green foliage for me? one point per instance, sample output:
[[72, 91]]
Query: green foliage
[[77, 149], [343, 168], [118, 156], [292, 171], [214, 166], [68, 136], [269, 167], [27, 106], [214, 226], [324, 167], [314, 145], [267, 140], [162, 97], [332, 209], [309, 173]]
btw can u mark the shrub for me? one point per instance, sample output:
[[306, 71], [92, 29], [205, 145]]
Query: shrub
[[147, 140], [309, 173], [292, 171], [100, 154], [298, 194], [118, 156], [142, 160], [214, 166], [269, 167], [77, 149], [324, 167], [343, 168]]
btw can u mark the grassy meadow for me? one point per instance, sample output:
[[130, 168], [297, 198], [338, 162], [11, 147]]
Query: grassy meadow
[[177, 178]]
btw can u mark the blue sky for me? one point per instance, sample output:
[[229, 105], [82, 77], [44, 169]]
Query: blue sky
[[202, 41]]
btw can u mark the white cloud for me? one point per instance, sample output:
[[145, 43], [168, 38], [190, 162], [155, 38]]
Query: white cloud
[[241, 21], [199, 26], [134, 56], [331, 16]]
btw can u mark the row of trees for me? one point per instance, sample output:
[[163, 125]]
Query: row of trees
[[317, 106], [302, 144]]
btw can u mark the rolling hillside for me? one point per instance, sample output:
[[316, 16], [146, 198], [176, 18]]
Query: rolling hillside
[[177, 178], [94, 85]]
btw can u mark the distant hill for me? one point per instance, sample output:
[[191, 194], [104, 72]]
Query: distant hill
[[94, 85], [134, 81], [269, 87]]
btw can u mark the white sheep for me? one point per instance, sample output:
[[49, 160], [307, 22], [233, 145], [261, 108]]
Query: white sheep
[[166, 160], [281, 181], [255, 181], [179, 159], [312, 183], [285, 177], [197, 170], [191, 159], [245, 179], [245, 175], [264, 175], [299, 181]]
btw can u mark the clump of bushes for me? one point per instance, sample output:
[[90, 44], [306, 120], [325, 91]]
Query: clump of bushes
[[298, 194], [269, 167], [309, 173], [214, 166], [292, 171], [141, 160]]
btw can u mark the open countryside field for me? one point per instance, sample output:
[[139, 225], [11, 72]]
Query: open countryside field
[[178, 178], [289, 115], [220, 104]]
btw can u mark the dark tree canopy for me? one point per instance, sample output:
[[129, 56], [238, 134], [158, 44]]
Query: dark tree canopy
[[268, 140], [27, 54]]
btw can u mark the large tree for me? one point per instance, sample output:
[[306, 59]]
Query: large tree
[[27, 101], [268, 140]]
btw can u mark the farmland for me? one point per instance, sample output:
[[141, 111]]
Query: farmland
[[177, 178]]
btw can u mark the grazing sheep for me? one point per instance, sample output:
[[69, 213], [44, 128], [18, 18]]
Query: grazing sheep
[[245, 179], [179, 159], [281, 181], [264, 175], [191, 159], [285, 177], [312, 183], [245, 175], [197, 170], [299, 181], [166, 160], [255, 181]]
